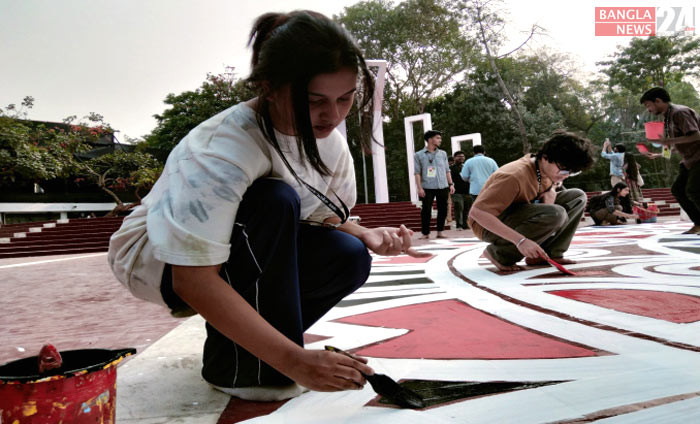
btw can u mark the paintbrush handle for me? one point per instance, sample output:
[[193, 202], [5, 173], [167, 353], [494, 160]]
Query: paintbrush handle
[[342, 352], [384, 385]]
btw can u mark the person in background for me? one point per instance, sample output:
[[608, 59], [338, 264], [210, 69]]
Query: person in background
[[523, 210], [450, 163], [633, 178], [616, 157], [477, 170], [682, 132], [460, 199], [433, 181], [606, 209]]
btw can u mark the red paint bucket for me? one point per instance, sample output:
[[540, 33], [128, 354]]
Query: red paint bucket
[[653, 129], [84, 392]]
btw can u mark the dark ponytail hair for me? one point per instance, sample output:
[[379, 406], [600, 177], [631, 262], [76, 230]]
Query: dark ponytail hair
[[292, 49], [617, 188]]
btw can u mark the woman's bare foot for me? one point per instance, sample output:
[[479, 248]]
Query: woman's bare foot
[[500, 266], [425, 237]]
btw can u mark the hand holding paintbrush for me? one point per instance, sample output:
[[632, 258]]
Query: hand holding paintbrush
[[388, 388]]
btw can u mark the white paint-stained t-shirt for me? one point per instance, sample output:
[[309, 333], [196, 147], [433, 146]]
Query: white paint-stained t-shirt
[[187, 218]]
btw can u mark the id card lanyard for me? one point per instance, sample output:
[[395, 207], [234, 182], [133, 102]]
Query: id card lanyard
[[539, 183], [341, 211]]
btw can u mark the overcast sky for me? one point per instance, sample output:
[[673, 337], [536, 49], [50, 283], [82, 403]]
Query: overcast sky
[[120, 58]]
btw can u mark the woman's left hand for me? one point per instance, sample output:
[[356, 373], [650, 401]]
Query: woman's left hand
[[389, 241]]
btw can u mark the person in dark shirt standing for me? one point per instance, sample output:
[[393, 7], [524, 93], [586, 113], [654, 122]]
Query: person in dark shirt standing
[[460, 199]]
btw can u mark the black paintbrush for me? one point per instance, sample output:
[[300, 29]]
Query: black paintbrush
[[385, 386]]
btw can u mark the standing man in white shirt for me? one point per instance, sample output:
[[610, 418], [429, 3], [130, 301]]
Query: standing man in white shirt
[[433, 180], [477, 170]]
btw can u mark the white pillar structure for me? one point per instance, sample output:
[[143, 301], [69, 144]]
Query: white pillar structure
[[475, 138], [381, 187], [410, 149]]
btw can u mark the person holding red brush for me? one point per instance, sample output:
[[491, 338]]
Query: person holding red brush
[[524, 211]]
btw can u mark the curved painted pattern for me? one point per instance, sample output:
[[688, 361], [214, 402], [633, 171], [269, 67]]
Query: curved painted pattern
[[619, 343]]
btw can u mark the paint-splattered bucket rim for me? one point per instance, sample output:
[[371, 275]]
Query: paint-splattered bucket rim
[[105, 358]]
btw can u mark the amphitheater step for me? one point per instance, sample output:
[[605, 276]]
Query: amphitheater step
[[92, 235]]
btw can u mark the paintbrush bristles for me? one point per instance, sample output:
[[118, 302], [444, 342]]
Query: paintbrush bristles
[[385, 386]]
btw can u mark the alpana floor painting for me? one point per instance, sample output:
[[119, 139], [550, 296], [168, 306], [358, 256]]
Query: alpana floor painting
[[618, 343]]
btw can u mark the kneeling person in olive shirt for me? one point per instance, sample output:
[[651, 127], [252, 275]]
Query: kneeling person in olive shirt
[[523, 211]]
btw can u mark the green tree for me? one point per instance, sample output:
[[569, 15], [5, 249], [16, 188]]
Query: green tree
[[485, 22], [42, 152], [477, 106], [426, 56], [547, 78], [190, 108], [121, 171], [421, 42], [653, 61], [37, 152]]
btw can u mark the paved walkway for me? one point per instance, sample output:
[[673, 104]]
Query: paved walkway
[[73, 302]]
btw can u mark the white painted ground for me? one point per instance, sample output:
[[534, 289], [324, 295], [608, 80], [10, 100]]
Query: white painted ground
[[162, 384]]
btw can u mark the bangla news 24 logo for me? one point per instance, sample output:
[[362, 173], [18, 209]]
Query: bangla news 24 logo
[[644, 21]]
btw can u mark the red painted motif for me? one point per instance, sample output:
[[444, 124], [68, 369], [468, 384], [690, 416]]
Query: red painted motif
[[451, 329], [673, 307]]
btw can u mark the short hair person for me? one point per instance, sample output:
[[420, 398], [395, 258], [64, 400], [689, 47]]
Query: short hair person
[[682, 131], [233, 232], [433, 181], [477, 169], [460, 199], [522, 210]]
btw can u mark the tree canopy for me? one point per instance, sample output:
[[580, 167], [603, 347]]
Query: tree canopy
[[653, 61], [444, 57], [422, 42], [190, 108], [39, 152]]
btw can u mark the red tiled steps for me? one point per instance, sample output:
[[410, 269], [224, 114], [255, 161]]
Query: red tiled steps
[[58, 237]]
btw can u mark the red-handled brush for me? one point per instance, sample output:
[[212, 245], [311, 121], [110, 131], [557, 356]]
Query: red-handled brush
[[558, 266]]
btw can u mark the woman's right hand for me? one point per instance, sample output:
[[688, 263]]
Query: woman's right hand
[[326, 371]]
